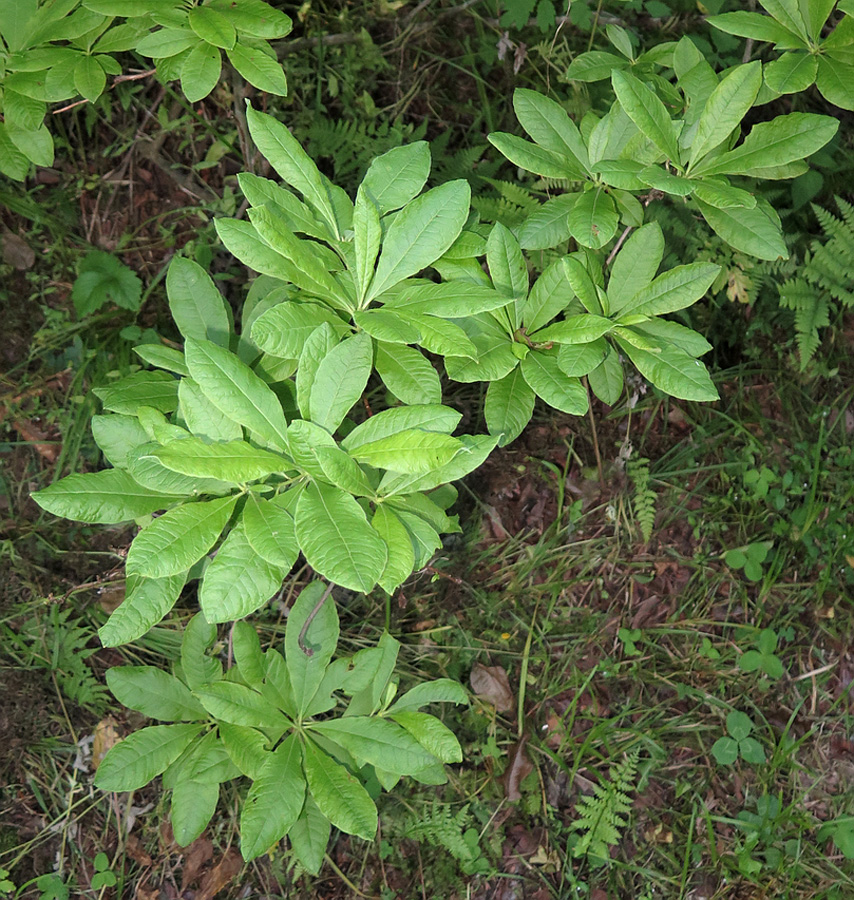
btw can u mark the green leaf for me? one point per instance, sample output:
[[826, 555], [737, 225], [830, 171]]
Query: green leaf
[[139, 758], [146, 602], [292, 163], [549, 225], [259, 69], [606, 380], [309, 836], [581, 329], [234, 389], [316, 348], [576, 360], [307, 655], [424, 537], [274, 801], [408, 374], [284, 329], [756, 26], [163, 357], [436, 738], [197, 306], [723, 196], [13, 163], [154, 693], [264, 192], [340, 381], [125, 396], [725, 108], [738, 724], [725, 751], [791, 73], [662, 331], [166, 42], [116, 436], [427, 417], [752, 231], [534, 158], [549, 125], [442, 690], [412, 451], [255, 18], [635, 265], [398, 175], [212, 26], [455, 299], [835, 82], [377, 742], [647, 112], [781, 141], [105, 498], [239, 705], [387, 325], [420, 233], [200, 72], [507, 266], [673, 371], [179, 538], [317, 454], [401, 555], [193, 805], [593, 219], [89, 78], [233, 461], [15, 22], [198, 668], [751, 751], [338, 795], [595, 65], [203, 419], [336, 538], [540, 370], [367, 234], [509, 406], [238, 581], [248, 654], [673, 290], [551, 293], [270, 531]]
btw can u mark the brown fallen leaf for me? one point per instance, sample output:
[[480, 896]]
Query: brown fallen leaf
[[490, 683], [197, 855], [517, 769], [106, 736], [220, 875], [17, 252]]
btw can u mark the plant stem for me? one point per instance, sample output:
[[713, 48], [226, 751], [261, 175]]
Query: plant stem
[[301, 639]]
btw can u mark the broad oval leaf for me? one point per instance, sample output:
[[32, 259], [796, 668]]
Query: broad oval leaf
[[270, 531], [146, 602], [192, 807], [540, 369], [197, 306], [593, 219], [212, 26], [673, 371], [238, 705], [411, 451], [436, 738], [394, 178], [179, 538], [154, 693], [576, 360], [673, 290], [408, 374], [509, 406], [340, 381], [284, 329], [425, 417], [233, 461], [791, 73], [336, 538], [200, 72]]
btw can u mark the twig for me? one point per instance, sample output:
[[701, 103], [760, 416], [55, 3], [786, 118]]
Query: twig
[[120, 78], [301, 639]]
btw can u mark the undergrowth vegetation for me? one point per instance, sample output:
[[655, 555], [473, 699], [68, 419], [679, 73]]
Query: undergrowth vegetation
[[491, 359]]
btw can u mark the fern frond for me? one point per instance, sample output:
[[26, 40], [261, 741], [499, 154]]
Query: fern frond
[[602, 815], [451, 832], [516, 194], [644, 497]]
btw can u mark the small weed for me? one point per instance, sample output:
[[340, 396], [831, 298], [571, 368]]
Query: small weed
[[750, 558], [764, 659], [738, 743]]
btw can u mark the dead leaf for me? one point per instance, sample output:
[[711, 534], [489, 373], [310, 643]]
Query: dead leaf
[[106, 736], [517, 769], [220, 875], [490, 683], [17, 252], [135, 850], [198, 855], [110, 596]]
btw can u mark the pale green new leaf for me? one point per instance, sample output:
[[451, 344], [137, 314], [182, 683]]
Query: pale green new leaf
[[420, 233], [367, 234], [233, 461], [426, 417], [581, 329], [139, 758], [238, 581], [644, 108], [336, 538], [477, 449], [549, 125], [157, 389], [509, 406], [540, 369], [411, 451], [340, 381], [318, 455], [534, 158], [197, 306], [396, 177], [317, 347], [635, 265], [274, 801], [338, 795], [163, 357], [264, 192], [436, 738], [401, 555], [179, 538], [576, 360], [725, 108], [442, 690], [146, 602], [237, 391], [105, 498], [154, 693], [202, 418]]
